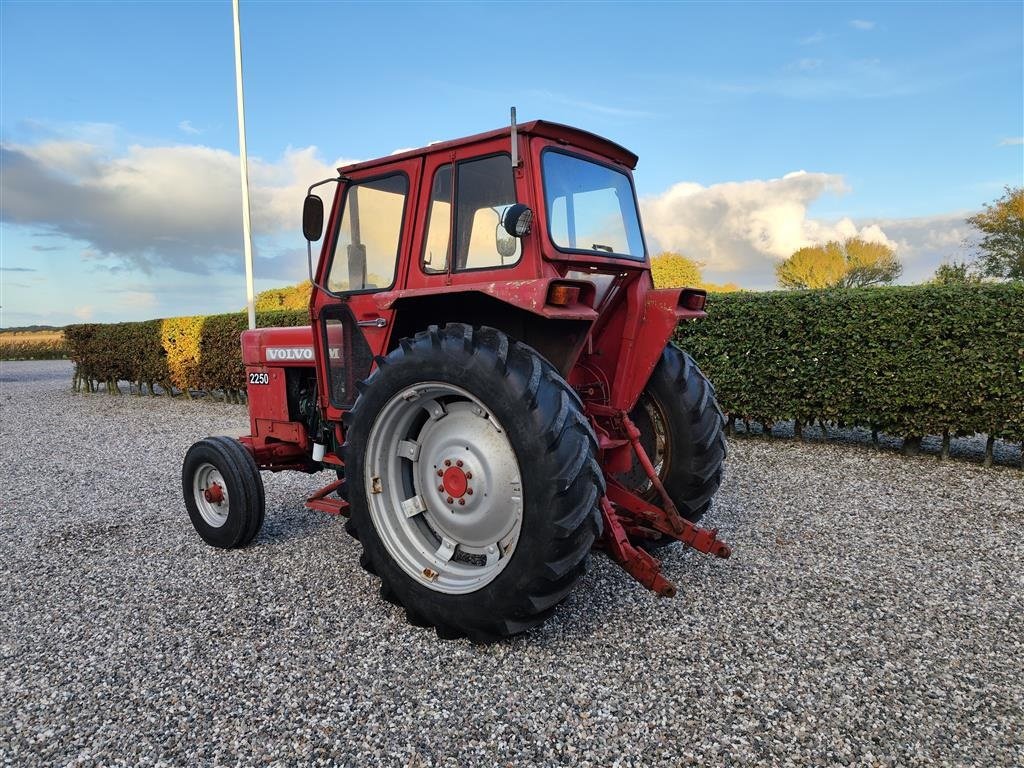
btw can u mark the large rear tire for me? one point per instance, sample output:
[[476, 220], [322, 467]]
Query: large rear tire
[[683, 431], [473, 483]]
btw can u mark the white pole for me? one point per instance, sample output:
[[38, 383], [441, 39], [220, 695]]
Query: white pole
[[246, 223]]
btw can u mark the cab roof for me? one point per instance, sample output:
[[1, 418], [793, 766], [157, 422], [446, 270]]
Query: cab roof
[[564, 134]]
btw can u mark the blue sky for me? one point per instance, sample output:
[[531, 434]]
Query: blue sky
[[119, 133]]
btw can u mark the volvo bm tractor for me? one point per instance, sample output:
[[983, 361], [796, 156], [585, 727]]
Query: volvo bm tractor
[[489, 371]]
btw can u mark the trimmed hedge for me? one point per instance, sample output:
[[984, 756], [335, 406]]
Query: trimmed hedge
[[908, 361], [183, 353]]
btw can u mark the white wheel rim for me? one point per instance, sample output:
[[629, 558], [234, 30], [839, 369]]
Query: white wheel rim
[[204, 483], [443, 487]]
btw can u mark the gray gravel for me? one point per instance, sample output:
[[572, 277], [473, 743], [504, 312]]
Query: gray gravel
[[967, 447], [872, 614]]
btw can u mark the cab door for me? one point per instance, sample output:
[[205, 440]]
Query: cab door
[[459, 239], [366, 252]]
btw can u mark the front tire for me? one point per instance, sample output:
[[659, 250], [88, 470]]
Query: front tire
[[223, 492], [473, 483]]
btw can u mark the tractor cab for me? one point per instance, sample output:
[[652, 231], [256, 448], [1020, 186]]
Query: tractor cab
[[489, 369]]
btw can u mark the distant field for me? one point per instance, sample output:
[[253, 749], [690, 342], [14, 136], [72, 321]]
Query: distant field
[[31, 345]]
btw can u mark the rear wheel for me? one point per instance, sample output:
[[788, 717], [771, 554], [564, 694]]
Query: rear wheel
[[223, 492], [473, 483], [682, 430]]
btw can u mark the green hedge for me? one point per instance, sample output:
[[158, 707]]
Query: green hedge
[[183, 353], [908, 361]]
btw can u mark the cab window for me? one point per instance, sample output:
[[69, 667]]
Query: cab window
[[471, 233], [366, 249]]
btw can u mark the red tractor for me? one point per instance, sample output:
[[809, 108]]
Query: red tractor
[[489, 371]]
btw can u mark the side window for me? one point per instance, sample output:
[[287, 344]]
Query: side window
[[484, 190], [366, 251], [437, 245]]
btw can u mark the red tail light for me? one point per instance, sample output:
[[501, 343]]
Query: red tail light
[[563, 295], [693, 299]]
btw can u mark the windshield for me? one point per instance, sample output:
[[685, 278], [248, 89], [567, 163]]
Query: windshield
[[591, 207]]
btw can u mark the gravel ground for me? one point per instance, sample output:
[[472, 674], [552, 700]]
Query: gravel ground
[[872, 614], [970, 448]]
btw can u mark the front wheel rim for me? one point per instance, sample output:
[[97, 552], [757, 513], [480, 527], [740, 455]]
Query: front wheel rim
[[443, 487], [211, 495]]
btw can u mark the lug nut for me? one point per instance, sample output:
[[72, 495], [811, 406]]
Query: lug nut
[[469, 491], [440, 473], [469, 475], [458, 463], [462, 502], [440, 488], [449, 499], [447, 462]]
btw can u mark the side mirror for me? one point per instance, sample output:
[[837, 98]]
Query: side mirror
[[312, 218], [517, 220]]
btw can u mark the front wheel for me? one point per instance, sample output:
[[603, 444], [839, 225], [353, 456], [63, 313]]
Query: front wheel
[[474, 487], [682, 429], [223, 492]]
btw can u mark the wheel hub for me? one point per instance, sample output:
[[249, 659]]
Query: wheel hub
[[214, 493], [455, 482]]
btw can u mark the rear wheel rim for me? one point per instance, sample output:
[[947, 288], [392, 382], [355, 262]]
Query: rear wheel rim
[[443, 487], [204, 482]]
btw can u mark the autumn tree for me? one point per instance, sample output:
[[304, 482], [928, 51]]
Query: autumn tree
[[955, 273], [853, 263], [869, 263], [718, 287], [673, 270], [1001, 225], [818, 266], [289, 297]]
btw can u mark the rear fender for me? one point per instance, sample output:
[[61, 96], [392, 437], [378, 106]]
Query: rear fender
[[519, 308], [645, 334]]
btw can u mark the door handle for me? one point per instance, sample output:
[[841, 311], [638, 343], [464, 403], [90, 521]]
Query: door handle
[[379, 322]]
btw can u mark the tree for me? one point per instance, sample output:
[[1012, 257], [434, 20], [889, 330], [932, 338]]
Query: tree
[[289, 297], [1001, 225], [869, 263], [819, 266], [673, 270], [850, 264], [955, 273], [718, 287]]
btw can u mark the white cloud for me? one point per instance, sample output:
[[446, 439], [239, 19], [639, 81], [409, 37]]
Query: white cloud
[[741, 230], [1012, 141], [862, 24], [922, 243], [176, 206], [154, 209], [84, 312], [814, 38], [187, 127]]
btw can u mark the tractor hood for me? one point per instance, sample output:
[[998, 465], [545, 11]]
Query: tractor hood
[[279, 347]]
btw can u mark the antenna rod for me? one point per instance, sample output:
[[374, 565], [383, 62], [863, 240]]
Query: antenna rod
[[515, 140], [246, 223]]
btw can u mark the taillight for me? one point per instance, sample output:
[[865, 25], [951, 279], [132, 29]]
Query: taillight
[[563, 295], [693, 300]]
